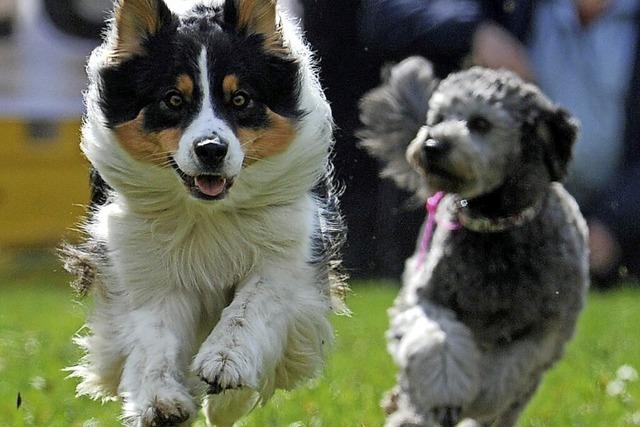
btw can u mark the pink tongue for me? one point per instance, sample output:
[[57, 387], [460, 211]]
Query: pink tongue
[[210, 186]]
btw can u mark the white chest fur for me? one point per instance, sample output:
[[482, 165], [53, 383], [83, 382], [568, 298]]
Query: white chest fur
[[200, 249]]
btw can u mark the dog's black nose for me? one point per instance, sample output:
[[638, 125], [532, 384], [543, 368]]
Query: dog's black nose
[[211, 150], [436, 148]]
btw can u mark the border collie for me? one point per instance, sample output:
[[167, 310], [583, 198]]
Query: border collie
[[213, 239]]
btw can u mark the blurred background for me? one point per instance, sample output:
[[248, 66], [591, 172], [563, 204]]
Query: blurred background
[[43, 178], [583, 53]]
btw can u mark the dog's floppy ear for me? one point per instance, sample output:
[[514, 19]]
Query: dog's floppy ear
[[558, 131], [255, 17], [135, 22], [393, 113]]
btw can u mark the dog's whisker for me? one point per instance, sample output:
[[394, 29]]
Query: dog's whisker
[[164, 155], [254, 139]]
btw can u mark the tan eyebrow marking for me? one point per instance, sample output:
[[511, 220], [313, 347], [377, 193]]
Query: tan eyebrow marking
[[185, 84], [230, 84]]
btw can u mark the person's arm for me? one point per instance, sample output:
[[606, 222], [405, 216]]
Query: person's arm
[[619, 209], [444, 31], [495, 47], [433, 28]]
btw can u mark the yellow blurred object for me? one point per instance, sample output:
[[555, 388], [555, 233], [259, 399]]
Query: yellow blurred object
[[44, 181]]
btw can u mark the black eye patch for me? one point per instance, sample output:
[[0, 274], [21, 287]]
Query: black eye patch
[[479, 124], [438, 118], [161, 82]]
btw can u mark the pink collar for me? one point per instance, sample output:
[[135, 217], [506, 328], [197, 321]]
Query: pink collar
[[427, 234], [463, 219]]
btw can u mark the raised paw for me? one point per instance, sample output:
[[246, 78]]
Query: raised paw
[[164, 410], [447, 416], [225, 370], [215, 385], [163, 417]]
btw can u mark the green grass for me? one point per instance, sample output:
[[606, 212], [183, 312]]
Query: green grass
[[38, 318]]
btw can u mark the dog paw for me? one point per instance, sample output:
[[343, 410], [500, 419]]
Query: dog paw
[[169, 407], [225, 369], [447, 416], [164, 416]]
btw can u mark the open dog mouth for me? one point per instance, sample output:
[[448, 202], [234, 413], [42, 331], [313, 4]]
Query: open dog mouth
[[207, 186], [433, 169]]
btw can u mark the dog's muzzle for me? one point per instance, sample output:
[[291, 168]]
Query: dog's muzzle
[[431, 153], [210, 184], [435, 150], [210, 151]]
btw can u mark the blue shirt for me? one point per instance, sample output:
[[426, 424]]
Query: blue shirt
[[588, 70]]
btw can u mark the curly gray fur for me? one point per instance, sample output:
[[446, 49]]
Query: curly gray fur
[[392, 115], [485, 314]]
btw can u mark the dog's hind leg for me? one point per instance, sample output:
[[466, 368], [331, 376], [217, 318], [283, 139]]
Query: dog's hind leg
[[511, 374], [308, 335], [401, 413], [510, 416], [468, 422], [101, 366], [224, 409]]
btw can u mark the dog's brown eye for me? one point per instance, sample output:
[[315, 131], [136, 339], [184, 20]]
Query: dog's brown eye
[[437, 119], [240, 99], [479, 124], [173, 100]]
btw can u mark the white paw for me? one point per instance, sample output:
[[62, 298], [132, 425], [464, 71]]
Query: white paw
[[226, 367], [160, 405], [440, 352]]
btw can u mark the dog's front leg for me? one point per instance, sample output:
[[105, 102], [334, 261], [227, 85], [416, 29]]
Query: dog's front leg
[[160, 335], [438, 359], [250, 344]]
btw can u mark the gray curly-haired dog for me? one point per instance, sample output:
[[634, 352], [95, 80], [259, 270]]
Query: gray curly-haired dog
[[489, 307]]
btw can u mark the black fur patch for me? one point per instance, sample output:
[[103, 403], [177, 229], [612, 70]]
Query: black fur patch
[[140, 82], [99, 189], [329, 239]]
